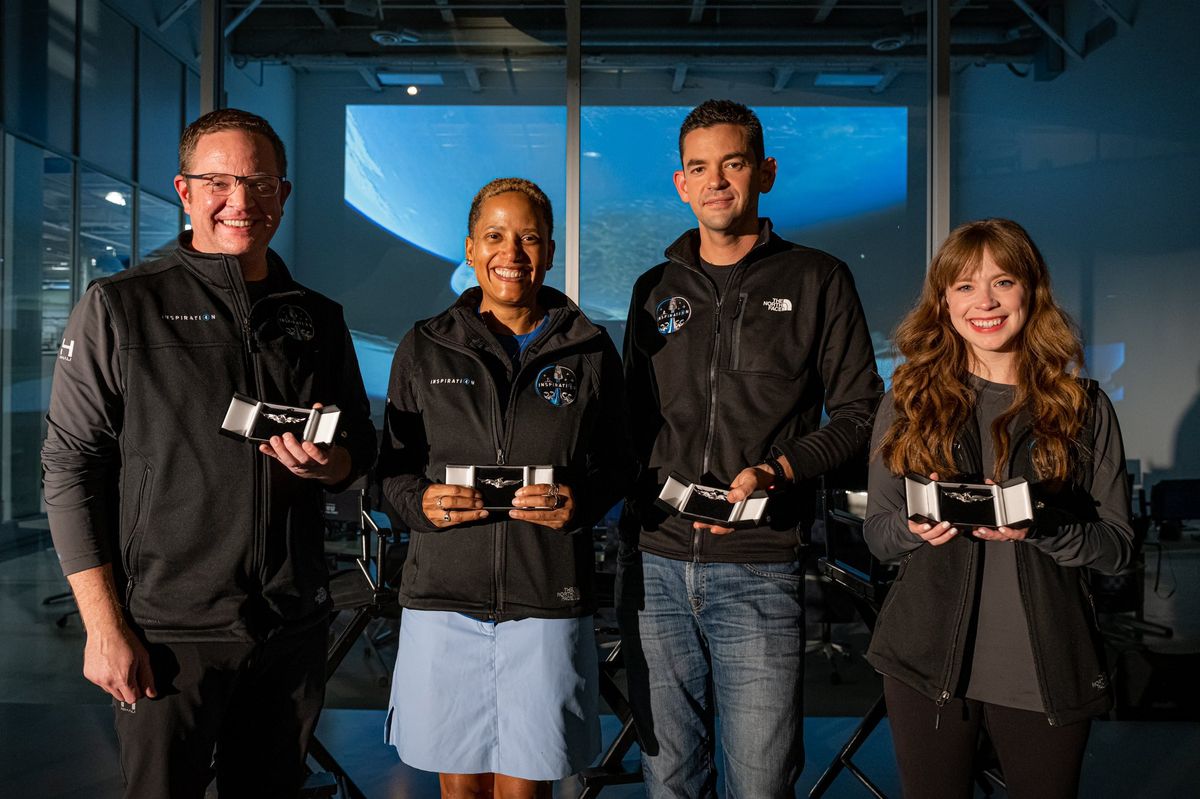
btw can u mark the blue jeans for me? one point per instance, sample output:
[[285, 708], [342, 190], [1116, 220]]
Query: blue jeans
[[703, 638]]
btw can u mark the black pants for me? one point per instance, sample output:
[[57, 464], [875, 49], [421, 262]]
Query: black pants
[[241, 712], [936, 747]]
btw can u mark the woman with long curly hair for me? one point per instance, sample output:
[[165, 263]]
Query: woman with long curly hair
[[993, 628]]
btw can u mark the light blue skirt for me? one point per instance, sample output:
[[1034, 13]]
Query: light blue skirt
[[518, 698]]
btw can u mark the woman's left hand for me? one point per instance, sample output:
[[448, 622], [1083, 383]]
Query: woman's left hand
[[557, 500], [1000, 533], [1009, 534]]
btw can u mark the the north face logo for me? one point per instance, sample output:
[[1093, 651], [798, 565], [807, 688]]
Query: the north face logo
[[777, 304]]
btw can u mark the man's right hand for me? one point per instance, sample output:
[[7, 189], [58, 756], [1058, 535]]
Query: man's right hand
[[113, 658], [117, 661]]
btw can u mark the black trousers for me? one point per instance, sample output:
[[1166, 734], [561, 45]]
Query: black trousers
[[936, 747], [240, 712]]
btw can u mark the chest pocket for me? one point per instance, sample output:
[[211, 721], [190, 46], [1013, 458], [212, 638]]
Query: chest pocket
[[767, 337]]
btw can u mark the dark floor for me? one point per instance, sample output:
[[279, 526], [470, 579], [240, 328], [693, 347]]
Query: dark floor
[[56, 732]]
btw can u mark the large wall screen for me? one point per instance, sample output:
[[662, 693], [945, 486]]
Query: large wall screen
[[411, 171]]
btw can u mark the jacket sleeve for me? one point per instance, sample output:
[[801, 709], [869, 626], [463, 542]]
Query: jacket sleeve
[[610, 463], [886, 527], [357, 432], [1104, 541], [404, 453], [81, 458], [641, 391], [846, 360]]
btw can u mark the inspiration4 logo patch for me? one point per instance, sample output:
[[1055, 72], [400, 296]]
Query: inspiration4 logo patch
[[672, 314], [557, 385]]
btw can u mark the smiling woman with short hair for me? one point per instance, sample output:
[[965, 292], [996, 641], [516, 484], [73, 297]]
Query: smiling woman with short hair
[[496, 678]]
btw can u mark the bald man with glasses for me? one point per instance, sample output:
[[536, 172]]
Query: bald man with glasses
[[196, 558]]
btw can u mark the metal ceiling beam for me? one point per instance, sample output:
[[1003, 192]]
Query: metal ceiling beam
[[783, 76], [447, 12], [697, 11], [172, 17], [241, 17], [600, 64], [508, 68], [472, 75], [1117, 16], [371, 79], [1048, 29], [681, 71], [322, 15], [824, 11], [888, 77]]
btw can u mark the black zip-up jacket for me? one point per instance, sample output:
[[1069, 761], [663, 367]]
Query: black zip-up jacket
[[716, 387], [209, 539], [921, 634], [455, 398]]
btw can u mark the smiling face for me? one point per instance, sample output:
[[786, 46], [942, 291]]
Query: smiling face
[[721, 179], [241, 223], [988, 307], [510, 250]]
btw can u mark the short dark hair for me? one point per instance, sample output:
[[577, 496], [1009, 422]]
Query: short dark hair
[[724, 112], [229, 119], [504, 185]]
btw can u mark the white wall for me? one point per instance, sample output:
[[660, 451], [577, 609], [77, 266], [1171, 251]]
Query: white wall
[[1102, 166]]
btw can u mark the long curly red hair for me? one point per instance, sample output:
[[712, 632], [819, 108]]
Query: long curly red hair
[[930, 391]]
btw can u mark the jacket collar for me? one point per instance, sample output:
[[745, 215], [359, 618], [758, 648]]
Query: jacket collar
[[221, 270], [461, 323], [686, 249]]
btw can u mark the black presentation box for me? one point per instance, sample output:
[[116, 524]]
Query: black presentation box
[[969, 505], [250, 420], [499, 484], [709, 504]]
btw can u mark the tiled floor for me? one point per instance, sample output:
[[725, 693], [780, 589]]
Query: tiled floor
[[56, 734]]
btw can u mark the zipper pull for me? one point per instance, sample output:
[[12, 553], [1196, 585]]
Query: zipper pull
[[499, 457], [251, 340], [737, 309]]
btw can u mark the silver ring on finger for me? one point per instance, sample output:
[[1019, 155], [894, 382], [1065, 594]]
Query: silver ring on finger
[[446, 516], [439, 503]]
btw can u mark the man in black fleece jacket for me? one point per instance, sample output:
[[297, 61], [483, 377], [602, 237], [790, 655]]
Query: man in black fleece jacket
[[198, 560], [732, 348]]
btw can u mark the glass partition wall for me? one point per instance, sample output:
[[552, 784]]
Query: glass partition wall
[[91, 114]]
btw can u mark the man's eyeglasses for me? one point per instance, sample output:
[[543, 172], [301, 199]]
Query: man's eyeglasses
[[219, 184]]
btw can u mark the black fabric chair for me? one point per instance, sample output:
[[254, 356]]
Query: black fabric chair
[[366, 591]]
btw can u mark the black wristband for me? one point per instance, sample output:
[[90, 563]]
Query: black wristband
[[777, 469]]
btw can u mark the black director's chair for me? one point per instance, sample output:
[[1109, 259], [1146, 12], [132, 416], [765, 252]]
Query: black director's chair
[[848, 565], [610, 770], [365, 589]]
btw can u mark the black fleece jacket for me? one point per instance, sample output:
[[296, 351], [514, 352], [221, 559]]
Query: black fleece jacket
[[209, 539], [716, 386], [924, 625], [456, 398]]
